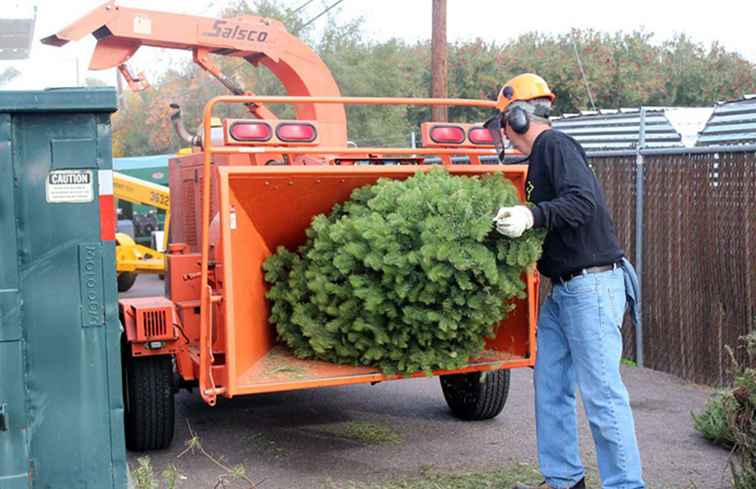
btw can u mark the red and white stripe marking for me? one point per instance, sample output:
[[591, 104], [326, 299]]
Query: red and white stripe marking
[[107, 205]]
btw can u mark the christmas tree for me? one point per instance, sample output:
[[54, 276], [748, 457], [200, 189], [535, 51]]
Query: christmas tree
[[407, 275]]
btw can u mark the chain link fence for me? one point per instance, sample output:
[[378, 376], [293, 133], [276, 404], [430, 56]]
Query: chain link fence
[[699, 254]]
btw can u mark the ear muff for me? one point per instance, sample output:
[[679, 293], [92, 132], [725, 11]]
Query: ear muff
[[518, 119]]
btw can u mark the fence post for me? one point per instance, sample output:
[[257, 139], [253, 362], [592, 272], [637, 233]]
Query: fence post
[[639, 194]]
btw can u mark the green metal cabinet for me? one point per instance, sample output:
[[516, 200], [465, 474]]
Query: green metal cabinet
[[61, 406]]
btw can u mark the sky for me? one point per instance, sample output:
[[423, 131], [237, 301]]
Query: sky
[[495, 20]]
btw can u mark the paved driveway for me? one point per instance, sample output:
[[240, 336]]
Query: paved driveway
[[304, 439]]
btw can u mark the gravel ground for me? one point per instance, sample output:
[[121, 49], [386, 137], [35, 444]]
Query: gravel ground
[[310, 439]]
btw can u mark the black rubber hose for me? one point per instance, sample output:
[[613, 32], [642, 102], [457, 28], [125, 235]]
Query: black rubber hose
[[178, 125]]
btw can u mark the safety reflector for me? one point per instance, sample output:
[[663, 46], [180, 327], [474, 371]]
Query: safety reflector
[[296, 133], [480, 135], [107, 205], [251, 131], [447, 134]]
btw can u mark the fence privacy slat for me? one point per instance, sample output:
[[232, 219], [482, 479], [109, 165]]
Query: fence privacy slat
[[699, 274]]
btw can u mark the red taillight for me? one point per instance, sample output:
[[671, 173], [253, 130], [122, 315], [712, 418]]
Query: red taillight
[[296, 133], [480, 135], [447, 135], [251, 131]]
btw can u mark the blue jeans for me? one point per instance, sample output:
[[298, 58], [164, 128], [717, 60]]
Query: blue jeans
[[580, 345]]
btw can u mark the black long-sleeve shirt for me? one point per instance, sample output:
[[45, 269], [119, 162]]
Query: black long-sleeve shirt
[[570, 204]]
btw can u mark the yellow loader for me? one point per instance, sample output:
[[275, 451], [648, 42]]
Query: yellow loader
[[132, 258]]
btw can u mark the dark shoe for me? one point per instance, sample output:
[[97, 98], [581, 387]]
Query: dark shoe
[[543, 485]]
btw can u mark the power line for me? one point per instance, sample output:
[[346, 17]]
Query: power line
[[334, 4], [242, 64], [582, 72], [308, 2], [238, 67]]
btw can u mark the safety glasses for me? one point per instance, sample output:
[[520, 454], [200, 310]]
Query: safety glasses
[[496, 126]]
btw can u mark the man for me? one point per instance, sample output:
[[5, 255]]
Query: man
[[579, 337]]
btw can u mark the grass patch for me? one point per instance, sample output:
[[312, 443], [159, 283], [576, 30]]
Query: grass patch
[[482, 478], [230, 475], [143, 476], [628, 362], [431, 478], [368, 433], [263, 442]]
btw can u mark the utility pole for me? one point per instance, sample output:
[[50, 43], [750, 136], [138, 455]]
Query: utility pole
[[439, 61], [119, 86]]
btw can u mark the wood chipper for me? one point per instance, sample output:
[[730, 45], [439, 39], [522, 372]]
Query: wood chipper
[[258, 186]]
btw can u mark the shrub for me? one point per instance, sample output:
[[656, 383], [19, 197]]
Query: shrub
[[407, 275], [712, 422], [730, 418]]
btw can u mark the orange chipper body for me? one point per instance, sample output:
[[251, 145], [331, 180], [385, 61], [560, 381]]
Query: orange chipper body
[[234, 201], [231, 214]]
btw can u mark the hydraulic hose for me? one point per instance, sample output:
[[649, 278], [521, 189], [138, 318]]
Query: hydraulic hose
[[178, 125]]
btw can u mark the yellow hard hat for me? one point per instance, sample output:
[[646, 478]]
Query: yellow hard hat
[[527, 86]]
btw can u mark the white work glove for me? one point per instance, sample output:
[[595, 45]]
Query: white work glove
[[513, 221]]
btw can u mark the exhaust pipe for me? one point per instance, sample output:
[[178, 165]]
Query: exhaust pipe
[[178, 125]]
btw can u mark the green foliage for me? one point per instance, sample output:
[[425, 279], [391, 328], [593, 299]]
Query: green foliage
[[742, 417], [170, 475], [712, 422], [388, 69], [407, 275], [143, 474], [624, 69], [628, 362], [629, 69], [730, 418]]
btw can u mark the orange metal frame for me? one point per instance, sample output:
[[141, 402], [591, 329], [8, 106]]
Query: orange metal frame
[[252, 183], [146, 321], [121, 31]]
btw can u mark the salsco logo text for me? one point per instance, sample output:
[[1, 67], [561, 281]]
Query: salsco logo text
[[70, 178], [226, 30]]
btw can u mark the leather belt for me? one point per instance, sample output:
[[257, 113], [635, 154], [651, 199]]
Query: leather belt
[[566, 277]]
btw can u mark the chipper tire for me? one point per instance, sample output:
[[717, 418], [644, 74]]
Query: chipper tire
[[126, 281], [149, 402], [473, 399]]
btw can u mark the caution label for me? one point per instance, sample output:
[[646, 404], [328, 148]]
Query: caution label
[[142, 25], [69, 186]]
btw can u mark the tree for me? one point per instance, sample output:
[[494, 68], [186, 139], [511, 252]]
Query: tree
[[623, 69]]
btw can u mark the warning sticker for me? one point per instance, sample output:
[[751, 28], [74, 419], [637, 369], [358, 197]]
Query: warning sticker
[[69, 186], [142, 25]]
